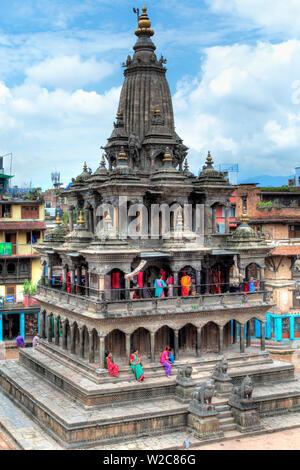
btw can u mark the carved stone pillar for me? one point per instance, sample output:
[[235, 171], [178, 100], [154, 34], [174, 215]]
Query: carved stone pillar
[[198, 348], [73, 339], [65, 335], [56, 331], [91, 347], [176, 289], [64, 278], [262, 281], [127, 347], [127, 288], [49, 332], [152, 347], [234, 332], [248, 334], [206, 280], [242, 338], [214, 220], [81, 342], [72, 279], [70, 212], [101, 287], [43, 278], [263, 338], [227, 215], [101, 351], [198, 281], [42, 325], [50, 274], [176, 345], [221, 340]]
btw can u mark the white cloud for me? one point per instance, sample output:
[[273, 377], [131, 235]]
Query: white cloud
[[276, 15], [68, 72], [243, 107]]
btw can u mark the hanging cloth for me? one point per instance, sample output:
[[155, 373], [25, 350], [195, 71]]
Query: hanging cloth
[[137, 270], [163, 273], [115, 280], [140, 279]]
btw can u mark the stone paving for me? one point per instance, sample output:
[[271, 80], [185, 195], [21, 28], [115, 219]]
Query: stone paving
[[24, 431]]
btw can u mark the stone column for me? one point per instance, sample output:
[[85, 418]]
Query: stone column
[[227, 214], [221, 339], [206, 219], [50, 274], [43, 326], [198, 281], [78, 283], [43, 278], [72, 279], [101, 287], [206, 280], [263, 338], [56, 331], [242, 338], [64, 335], [87, 212], [214, 220], [152, 346], [73, 339], [101, 351], [175, 278], [262, 281], [127, 288], [248, 335], [91, 347], [176, 344], [64, 281], [70, 212], [198, 348], [127, 347], [234, 331], [49, 333], [81, 342]]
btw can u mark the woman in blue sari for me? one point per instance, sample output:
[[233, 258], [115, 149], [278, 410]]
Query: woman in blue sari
[[136, 367], [159, 285]]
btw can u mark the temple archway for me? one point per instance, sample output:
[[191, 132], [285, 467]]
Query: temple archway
[[187, 339], [140, 339], [115, 342], [210, 337], [163, 337]]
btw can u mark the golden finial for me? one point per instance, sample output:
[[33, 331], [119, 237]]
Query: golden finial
[[186, 165], [122, 157], [58, 221], [157, 111], [119, 116], [209, 160], [85, 167], [167, 156], [144, 24], [80, 220], [244, 217]]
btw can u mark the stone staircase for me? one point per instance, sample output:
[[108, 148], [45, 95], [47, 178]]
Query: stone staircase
[[225, 418]]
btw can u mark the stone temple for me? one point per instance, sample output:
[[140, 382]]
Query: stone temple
[[91, 301]]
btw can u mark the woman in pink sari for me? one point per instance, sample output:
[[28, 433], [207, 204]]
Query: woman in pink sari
[[164, 360], [113, 369]]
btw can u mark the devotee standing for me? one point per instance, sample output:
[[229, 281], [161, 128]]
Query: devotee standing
[[136, 367], [164, 360], [170, 283], [36, 340], [159, 285], [20, 341], [251, 285], [186, 283], [113, 369]]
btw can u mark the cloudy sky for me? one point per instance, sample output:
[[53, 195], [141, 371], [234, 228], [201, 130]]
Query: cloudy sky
[[233, 69]]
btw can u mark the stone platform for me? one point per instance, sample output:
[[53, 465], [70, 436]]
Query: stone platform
[[78, 411]]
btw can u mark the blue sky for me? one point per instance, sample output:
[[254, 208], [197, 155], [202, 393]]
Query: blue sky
[[233, 68]]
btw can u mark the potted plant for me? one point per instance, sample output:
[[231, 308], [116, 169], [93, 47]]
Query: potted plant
[[29, 289]]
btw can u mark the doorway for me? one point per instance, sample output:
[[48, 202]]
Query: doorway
[[11, 326]]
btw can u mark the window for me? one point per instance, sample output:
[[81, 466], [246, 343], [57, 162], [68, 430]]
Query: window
[[11, 268], [5, 210], [24, 268], [30, 212], [10, 290]]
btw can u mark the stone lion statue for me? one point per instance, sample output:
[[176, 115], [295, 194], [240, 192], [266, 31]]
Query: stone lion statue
[[203, 394], [184, 374], [221, 369], [244, 391]]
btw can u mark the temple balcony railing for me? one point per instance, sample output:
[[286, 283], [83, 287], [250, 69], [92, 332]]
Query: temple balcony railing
[[151, 306]]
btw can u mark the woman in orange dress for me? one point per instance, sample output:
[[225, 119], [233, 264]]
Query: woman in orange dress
[[186, 283]]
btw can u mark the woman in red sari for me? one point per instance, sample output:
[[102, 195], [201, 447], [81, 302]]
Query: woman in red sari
[[113, 369]]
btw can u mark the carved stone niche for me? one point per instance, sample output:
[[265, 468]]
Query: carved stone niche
[[243, 407], [203, 419], [184, 384], [223, 383]]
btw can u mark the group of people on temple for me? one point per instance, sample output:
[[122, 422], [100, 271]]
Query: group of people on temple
[[164, 287], [166, 360]]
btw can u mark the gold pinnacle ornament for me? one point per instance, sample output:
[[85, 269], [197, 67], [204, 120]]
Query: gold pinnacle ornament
[[80, 220], [144, 24], [58, 221], [167, 156]]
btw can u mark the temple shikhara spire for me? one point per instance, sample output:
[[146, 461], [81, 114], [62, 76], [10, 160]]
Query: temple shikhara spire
[[149, 260]]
